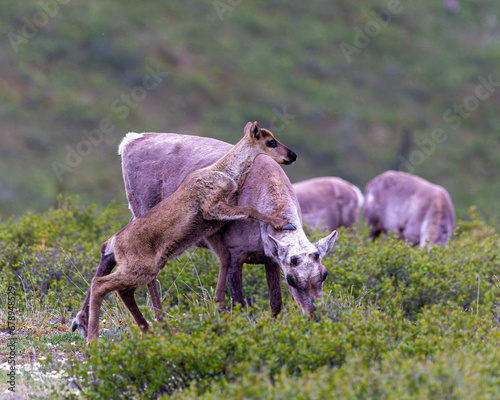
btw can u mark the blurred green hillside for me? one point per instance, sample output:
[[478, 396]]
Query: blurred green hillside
[[355, 88]]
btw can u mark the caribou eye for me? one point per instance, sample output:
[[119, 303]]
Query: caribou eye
[[291, 281], [316, 255], [272, 143], [294, 260]]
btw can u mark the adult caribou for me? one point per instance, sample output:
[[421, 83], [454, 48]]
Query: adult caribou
[[418, 211], [328, 202]]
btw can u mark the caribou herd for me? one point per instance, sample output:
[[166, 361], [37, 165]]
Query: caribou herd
[[186, 190]]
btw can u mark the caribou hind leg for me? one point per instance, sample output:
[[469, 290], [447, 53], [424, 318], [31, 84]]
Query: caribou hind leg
[[127, 296], [106, 265], [217, 246]]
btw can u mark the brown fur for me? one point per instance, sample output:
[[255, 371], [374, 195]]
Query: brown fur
[[328, 203], [198, 208], [420, 212]]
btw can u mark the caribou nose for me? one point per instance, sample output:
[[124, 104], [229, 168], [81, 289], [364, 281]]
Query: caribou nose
[[291, 158], [312, 310]]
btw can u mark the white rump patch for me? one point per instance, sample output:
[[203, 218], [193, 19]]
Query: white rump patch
[[369, 199], [128, 138], [110, 247], [361, 198]]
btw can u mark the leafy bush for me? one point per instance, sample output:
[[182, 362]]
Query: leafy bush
[[54, 254], [394, 320], [461, 274], [457, 375], [204, 351]]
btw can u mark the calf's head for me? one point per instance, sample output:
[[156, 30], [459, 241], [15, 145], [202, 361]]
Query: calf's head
[[264, 142], [303, 270]]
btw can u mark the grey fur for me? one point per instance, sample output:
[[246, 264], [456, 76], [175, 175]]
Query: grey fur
[[420, 212]]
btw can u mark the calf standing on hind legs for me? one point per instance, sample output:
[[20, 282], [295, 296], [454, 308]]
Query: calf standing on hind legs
[[198, 208]]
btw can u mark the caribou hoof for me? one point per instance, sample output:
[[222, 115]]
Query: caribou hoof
[[289, 227]]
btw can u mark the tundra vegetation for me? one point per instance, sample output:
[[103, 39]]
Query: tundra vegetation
[[395, 321]]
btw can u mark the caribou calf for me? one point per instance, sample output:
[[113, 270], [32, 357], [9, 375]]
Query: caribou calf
[[420, 212], [328, 203], [198, 208]]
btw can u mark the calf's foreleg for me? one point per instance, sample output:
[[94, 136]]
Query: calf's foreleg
[[225, 212]]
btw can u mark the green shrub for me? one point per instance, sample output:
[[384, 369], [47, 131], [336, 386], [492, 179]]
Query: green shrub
[[394, 321], [199, 349], [50, 257], [388, 269], [448, 375]]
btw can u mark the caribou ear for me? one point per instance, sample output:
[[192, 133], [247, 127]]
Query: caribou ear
[[255, 130], [279, 248], [325, 245]]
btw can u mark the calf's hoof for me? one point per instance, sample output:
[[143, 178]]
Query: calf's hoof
[[285, 225]]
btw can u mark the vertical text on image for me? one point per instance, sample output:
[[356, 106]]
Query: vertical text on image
[[11, 342]]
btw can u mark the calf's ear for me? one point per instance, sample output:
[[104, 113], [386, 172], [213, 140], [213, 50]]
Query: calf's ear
[[279, 248], [325, 244], [253, 129]]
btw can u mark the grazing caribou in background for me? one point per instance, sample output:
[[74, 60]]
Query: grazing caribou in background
[[328, 203], [155, 164], [198, 208], [420, 212]]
